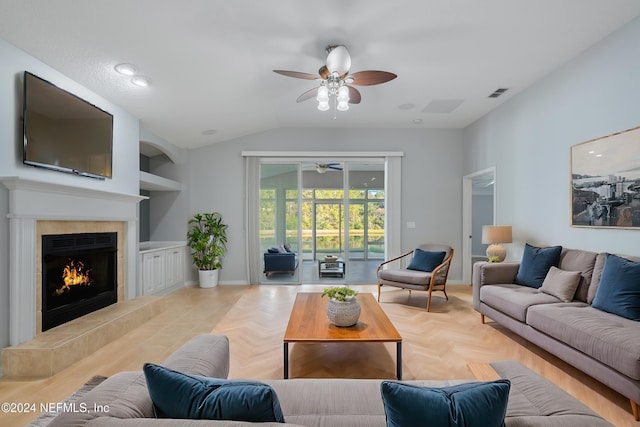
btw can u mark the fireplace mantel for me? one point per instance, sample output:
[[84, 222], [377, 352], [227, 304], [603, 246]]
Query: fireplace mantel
[[31, 201], [59, 196]]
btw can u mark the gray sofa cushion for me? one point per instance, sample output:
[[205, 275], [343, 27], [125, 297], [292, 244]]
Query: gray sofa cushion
[[413, 277], [205, 354], [167, 422], [336, 402], [534, 401], [124, 394], [514, 300], [583, 261], [611, 339], [562, 284]]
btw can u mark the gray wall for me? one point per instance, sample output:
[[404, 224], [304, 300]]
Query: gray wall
[[529, 137], [431, 181]]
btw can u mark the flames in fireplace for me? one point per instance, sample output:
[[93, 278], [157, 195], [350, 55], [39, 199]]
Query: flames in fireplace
[[79, 274], [73, 274]]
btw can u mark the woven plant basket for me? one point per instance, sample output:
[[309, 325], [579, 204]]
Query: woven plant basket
[[343, 313]]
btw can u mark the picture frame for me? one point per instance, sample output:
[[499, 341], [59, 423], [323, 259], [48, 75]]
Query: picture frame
[[605, 181]]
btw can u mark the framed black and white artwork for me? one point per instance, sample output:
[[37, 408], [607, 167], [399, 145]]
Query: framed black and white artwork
[[605, 181]]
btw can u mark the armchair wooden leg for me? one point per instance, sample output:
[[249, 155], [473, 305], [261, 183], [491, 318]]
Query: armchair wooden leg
[[482, 318], [429, 301], [379, 285], [634, 409], [445, 295]]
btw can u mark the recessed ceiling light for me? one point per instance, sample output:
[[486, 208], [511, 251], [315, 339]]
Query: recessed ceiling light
[[126, 69], [209, 132], [140, 81], [417, 121]]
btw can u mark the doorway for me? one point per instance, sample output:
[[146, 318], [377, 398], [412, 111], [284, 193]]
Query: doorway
[[321, 212], [479, 208]]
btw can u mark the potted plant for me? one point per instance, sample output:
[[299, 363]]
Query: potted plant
[[343, 308], [207, 237]]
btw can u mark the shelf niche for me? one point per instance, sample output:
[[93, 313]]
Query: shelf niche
[[149, 181]]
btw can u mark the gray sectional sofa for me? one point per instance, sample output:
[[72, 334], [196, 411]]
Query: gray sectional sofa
[[604, 345], [533, 401]]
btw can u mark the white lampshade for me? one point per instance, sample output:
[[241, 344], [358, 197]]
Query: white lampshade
[[323, 106], [343, 106], [343, 94], [494, 235], [323, 94]]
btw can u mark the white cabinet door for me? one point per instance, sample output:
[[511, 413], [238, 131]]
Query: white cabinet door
[[174, 266], [153, 272]]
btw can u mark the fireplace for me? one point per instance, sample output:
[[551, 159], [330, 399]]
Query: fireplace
[[79, 275]]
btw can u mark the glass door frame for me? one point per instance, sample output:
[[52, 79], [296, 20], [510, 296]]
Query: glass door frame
[[260, 251], [392, 161]]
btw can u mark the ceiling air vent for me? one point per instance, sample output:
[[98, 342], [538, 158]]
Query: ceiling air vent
[[498, 92]]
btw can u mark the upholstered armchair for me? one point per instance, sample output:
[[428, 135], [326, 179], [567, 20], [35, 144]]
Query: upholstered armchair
[[427, 270], [280, 260]]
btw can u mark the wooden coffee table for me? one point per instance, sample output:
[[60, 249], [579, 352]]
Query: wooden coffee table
[[308, 323]]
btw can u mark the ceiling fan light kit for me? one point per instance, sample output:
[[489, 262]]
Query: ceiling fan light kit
[[335, 80]]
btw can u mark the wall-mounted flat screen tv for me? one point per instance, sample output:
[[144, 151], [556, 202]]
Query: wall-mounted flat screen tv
[[63, 132]]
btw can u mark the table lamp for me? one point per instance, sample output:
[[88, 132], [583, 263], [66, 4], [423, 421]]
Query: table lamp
[[494, 235]]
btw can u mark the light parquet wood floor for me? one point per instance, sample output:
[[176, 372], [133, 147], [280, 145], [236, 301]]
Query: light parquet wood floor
[[436, 345]]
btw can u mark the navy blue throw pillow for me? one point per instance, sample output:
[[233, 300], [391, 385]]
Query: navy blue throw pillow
[[619, 288], [478, 404], [425, 260], [536, 263], [182, 396]]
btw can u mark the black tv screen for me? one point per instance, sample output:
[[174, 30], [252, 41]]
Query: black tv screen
[[63, 132]]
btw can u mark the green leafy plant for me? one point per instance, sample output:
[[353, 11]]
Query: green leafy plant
[[207, 237], [494, 259], [339, 293]]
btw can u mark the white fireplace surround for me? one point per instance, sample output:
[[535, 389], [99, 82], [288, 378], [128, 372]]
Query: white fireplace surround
[[31, 201]]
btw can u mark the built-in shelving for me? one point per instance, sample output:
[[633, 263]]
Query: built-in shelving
[[151, 182]]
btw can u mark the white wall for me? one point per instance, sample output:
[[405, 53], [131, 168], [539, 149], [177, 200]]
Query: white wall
[[125, 149], [431, 181], [529, 137]]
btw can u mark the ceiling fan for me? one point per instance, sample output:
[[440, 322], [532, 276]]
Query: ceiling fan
[[336, 80], [323, 167]]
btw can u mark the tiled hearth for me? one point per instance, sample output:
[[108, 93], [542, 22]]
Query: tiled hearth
[[38, 208], [52, 351]]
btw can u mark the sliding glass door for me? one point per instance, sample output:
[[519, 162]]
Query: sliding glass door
[[279, 217], [310, 210]]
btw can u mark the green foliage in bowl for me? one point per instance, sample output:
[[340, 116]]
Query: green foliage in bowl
[[339, 293]]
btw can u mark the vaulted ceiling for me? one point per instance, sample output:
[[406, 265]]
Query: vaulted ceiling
[[210, 62]]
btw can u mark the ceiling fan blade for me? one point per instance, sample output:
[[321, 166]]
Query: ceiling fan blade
[[296, 74], [324, 72], [335, 168], [354, 95], [370, 78], [308, 95], [339, 60]]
